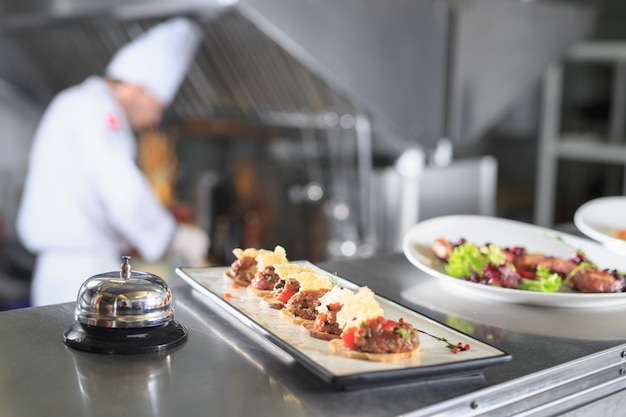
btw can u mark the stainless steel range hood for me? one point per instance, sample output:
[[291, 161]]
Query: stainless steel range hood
[[421, 69], [428, 68]]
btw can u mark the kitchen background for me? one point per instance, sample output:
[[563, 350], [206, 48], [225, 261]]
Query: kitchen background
[[330, 144]]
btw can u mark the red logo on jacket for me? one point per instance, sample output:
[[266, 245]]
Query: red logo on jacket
[[113, 122]]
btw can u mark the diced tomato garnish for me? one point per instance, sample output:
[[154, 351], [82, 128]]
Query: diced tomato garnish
[[236, 286], [319, 322], [348, 337], [286, 295], [389, 325], [228, 295]]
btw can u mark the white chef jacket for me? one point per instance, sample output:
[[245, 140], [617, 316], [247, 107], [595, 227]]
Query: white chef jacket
[[85, 200]]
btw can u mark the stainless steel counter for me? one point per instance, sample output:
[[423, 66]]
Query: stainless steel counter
[[563, 359]]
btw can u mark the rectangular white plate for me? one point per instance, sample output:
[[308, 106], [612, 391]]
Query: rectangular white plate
[[435, 360]]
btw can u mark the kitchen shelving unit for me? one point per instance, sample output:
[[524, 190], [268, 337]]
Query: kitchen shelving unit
[[555, 145]]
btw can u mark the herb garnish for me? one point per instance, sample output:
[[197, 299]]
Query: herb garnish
[[459, 347]]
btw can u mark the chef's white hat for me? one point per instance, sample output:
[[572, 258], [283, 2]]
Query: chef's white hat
[[159, 58]]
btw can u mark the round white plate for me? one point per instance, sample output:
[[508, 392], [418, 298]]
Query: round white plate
[[601, 218], [481, 229]]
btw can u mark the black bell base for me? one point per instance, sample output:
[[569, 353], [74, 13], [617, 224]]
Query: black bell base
[[125, 340]]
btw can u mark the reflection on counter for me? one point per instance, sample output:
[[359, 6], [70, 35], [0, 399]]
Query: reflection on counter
[[499, 320], [281, 394], [491, 334], [134, 384]]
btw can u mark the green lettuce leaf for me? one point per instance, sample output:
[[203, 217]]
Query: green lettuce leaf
[[545, 282], [468, 257]]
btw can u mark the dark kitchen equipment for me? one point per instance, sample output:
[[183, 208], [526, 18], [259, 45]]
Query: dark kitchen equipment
[[124, 312]]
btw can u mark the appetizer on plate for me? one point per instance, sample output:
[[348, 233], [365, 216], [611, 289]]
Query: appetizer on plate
[[255, 265], [368, 335], [516, 268], [301, 306], [266, 276], [325, 325], [243, 269], [285, 286]]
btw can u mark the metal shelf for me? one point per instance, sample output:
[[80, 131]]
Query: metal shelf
[[554, 145], [592, 151]]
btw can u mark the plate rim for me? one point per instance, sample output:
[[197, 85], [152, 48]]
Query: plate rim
[[591, 232]]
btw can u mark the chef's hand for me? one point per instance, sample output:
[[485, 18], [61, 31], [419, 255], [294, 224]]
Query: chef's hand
[[189, 246]]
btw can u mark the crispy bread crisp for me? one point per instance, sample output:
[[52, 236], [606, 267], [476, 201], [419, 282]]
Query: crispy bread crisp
[[309, 327], [272, 302], [260, 293], [338, 347], [288, 315]]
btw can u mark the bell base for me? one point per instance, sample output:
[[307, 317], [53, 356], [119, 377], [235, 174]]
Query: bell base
[[126, 341]]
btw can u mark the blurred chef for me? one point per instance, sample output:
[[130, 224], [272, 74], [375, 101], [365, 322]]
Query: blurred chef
[[85, 200]]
